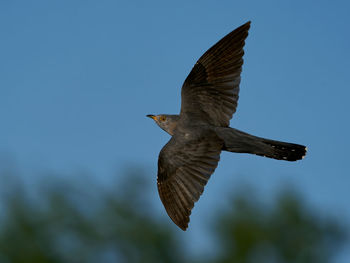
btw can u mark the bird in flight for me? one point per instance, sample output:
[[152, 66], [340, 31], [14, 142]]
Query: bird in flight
[[201, 131]]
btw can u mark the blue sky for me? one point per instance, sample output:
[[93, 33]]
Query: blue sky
[[78, 78]]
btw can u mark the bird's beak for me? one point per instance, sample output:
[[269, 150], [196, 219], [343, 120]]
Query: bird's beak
[[151, 116]]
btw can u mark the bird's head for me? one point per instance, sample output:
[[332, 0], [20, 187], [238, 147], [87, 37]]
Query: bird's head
[[165, 121]]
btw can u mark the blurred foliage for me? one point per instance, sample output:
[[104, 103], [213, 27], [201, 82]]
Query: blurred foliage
[[70, 221], [285, 232]]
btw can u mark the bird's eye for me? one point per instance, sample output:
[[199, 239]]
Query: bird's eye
[[162, 118]]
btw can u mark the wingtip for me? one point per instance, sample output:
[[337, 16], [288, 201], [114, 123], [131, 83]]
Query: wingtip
[[183, 225], [247, 23], [183, 228], [244, 27]]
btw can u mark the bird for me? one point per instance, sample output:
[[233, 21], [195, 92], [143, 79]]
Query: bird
[[201, 131]]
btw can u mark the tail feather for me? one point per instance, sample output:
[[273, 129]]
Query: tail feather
[[241, 142]]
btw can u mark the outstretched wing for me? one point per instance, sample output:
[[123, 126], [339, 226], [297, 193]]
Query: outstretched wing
[[210, 92], [184, 168]]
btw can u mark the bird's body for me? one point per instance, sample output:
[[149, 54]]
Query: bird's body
[[201, 131]]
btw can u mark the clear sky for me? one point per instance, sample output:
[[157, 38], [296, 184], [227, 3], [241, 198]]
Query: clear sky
[[78, 77]]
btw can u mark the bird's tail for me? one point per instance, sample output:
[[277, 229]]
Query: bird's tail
[[241, 142]]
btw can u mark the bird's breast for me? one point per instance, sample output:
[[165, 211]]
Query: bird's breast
[[192, 132]]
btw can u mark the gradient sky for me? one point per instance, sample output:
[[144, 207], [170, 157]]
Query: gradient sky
[[78, 77]]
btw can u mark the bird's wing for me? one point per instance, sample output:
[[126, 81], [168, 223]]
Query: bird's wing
[[210, 91], [184, 168]]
